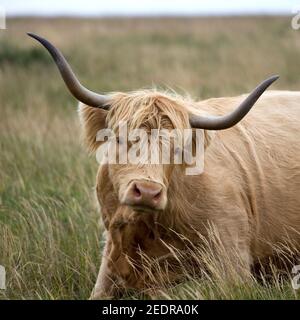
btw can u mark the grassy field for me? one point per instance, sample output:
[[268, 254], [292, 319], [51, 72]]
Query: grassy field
[[50, 232]]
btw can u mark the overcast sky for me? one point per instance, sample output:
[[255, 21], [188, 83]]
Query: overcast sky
[[147, 7]]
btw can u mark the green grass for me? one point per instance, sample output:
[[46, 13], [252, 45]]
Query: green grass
[[50, 229]]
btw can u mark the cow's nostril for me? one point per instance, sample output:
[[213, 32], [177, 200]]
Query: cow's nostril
[[157, 196], [136, 191]]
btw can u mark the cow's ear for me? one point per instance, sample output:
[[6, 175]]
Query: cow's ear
[[92, 120]]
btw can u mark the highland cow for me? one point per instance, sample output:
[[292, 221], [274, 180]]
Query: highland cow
[[248, 190]]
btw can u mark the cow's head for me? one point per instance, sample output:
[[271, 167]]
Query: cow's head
[[140, 185], [142, 182]]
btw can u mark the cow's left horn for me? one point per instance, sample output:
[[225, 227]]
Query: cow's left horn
[[229, 120], [76, 88]]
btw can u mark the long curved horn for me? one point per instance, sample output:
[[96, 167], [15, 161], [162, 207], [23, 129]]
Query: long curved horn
[[76, 88], [229, 120]]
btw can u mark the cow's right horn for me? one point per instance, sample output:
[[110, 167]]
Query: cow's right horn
[[231, 119], [81, 93]]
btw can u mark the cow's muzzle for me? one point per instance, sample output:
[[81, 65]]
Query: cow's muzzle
[[144, 194]]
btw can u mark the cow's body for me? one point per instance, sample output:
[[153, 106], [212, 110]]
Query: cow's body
[[247, 197], [255, 167], [249, 189]]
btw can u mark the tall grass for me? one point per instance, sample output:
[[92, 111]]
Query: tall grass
[[50, 235], [209, 271]]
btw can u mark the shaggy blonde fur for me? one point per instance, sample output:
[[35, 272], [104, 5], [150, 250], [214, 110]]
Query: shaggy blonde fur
[[249, 189]]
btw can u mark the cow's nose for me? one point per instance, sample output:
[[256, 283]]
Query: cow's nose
[[144, 193]]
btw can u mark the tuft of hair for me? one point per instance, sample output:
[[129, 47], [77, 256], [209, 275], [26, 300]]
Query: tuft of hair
[[147, 109]]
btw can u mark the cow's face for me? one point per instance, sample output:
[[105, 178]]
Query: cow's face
[[142, 182]]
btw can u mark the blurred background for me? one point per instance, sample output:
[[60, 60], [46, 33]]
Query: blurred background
[[49, 233]]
